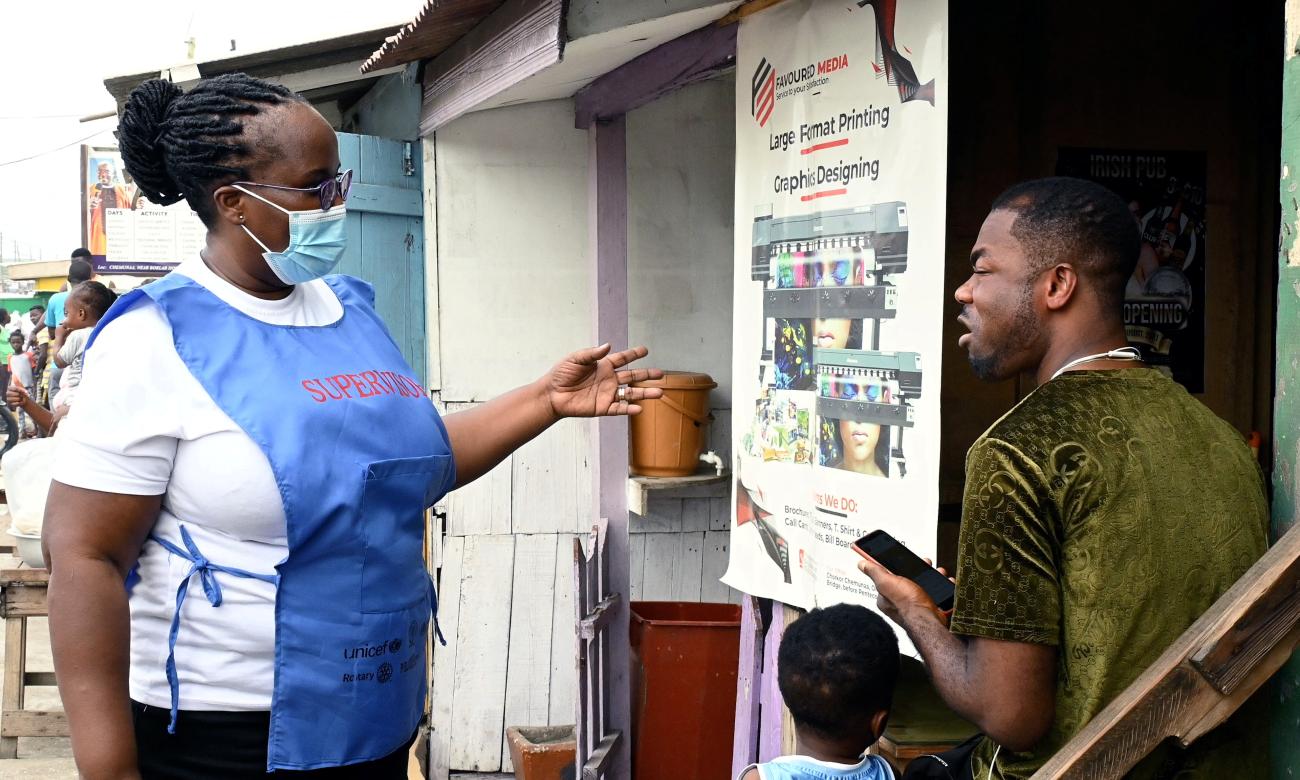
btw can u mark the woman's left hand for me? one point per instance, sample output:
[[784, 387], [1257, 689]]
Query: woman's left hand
[[591, 383]]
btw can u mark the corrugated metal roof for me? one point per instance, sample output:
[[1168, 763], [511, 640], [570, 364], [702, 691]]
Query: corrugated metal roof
[[266, 64], [439, 24]]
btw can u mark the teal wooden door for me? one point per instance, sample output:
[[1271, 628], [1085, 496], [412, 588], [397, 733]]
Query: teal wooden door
[[386, 235]]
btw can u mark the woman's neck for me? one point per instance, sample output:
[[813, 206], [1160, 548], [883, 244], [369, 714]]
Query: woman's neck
[[217, 262]]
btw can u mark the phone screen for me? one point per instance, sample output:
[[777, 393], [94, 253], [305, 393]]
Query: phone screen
[[890, 553]]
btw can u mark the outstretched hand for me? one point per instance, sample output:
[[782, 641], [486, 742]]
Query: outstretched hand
[[591, 383]]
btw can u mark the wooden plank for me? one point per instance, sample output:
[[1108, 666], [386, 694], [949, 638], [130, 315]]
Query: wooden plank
[[692, 57], [432, 311], [1229, 658], [749, 677], [563, 679], [715, 565], [673, 566], [686, 587], [584, 729], [528, 668], [636, 552], [771, 741], [1171, 698], [519, 39], [661, 515], [11, 697], [663, 551], [640, 490], [484, 505], [748, 9], [32, 723], [607, 234], [23, 576], [444, 660], [720, 514], [378, 199], [434, 522], [552, 481], [695, 514], [487, 576], [19, 601], [387, 250]]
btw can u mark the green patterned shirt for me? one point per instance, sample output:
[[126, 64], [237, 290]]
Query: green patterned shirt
[[1103, 515]]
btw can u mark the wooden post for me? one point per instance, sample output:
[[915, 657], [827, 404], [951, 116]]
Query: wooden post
[[749, 678], [1286, 413], [14, 674], [774, 738], [607, 229]]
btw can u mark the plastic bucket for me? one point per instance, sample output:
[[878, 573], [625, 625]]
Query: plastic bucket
[[668, 435], [684, 661]]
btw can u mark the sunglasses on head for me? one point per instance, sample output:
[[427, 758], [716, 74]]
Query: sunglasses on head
[[336, 185]]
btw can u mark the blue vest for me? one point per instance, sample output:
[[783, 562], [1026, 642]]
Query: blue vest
[[802, 768], [358, 453]]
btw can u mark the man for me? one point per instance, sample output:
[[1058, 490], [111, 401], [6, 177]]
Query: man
[[79, 270], [104, 194], [1102, 515]]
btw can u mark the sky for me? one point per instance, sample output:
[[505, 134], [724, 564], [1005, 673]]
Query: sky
[[55, 55]]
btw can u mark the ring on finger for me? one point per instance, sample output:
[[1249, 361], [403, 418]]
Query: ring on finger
[[622, 394]]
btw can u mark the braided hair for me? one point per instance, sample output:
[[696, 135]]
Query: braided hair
[[178, 144]]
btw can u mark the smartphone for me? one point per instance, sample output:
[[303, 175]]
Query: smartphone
[[890, 553]]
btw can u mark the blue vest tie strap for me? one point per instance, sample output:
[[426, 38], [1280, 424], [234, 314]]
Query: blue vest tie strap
[[207, 571]]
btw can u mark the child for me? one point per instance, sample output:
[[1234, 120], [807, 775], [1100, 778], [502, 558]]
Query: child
[[837, 668], [22, 373], [83, 307]]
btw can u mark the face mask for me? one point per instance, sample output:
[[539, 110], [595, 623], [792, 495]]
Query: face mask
[[316, 242]]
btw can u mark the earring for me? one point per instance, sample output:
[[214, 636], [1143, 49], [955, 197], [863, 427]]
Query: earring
[[241, 217]]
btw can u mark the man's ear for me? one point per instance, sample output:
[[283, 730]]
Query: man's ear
[[1062, 284]]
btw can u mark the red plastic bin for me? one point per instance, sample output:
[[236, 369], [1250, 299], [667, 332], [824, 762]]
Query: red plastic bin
[[684, 660]]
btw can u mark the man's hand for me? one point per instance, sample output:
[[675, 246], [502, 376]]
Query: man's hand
[[898, 597]]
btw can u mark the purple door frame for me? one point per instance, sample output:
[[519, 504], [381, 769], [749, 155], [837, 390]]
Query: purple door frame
[[600, 108]]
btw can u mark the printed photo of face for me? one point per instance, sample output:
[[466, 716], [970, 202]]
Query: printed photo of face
[[832, 334], [862, 448], [860, 443]]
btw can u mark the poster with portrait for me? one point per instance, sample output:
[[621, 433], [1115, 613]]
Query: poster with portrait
[[124, 231], [841, 174], [1164, 304]]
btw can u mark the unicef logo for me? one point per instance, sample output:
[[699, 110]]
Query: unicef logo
[[394, 645], [385, 672]]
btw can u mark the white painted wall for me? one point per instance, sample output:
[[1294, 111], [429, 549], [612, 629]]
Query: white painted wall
[[512, 246], [681, 152]]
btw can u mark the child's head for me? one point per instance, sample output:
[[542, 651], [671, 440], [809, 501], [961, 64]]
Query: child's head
[[85, 304], [837, 668], [17, 341]]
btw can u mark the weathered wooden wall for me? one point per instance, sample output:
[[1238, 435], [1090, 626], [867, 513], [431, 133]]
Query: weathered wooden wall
[[513, 295]]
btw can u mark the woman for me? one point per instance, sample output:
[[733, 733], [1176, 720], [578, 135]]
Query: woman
[[251, 454], [859, 447]]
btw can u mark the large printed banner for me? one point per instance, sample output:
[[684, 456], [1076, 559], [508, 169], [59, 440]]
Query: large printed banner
[[124, 231], [841, 155], [1164, 303]]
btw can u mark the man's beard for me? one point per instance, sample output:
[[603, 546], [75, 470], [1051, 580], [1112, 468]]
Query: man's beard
[[1020, 334]]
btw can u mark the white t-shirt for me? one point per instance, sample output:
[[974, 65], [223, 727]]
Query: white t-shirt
[[71, 354], [145, 426]]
